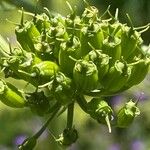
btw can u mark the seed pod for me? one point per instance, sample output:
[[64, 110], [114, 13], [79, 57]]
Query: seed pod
[[138, 72], [22, 72], [44, 71], [136, 55], [56, 35], [85, 75], [28, 36], [69, 48], [73, 26], [19, 65], [62, 89], [38, 103], [100, 60], [10, 62], [35, 60], [55, 20], [68, 137], [104, 25], [27, 61], [117, 77], [20, 59], [73, 22], [111, 46], [42, 22], [115, 29], [101, 111], [28, 144], [91, 34], [58, 31], [90, 14], [127, 114], [129, 40], [10, 95]]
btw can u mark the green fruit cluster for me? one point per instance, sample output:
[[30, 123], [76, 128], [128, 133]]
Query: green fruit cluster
[[65, 58], [96, 54]]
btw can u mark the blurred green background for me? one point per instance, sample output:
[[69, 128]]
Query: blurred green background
[[16, 125]]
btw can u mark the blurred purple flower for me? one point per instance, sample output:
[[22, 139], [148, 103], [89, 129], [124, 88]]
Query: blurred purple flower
[[137, 145], [115, 100], [114, 147], [19, 139], [141, 96]]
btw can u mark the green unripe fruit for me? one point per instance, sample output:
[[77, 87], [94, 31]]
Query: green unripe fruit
[[28, 36], [100, 60], [114, 29], [85, 75], [10, 95], [62, 89], [38, 103], [129, 41], [127, 114], [90, 14], [27, 62], [68, 137], [101, 111], [55, 36], [45, 70], [73, 26], [20, 60], [42, 22], [111, 46], [138, 72], [67, 49], [91, 34], [117, 77]]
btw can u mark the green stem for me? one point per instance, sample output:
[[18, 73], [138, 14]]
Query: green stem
[[70, 114], [38, 134], [52, 109], [82, 102]]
